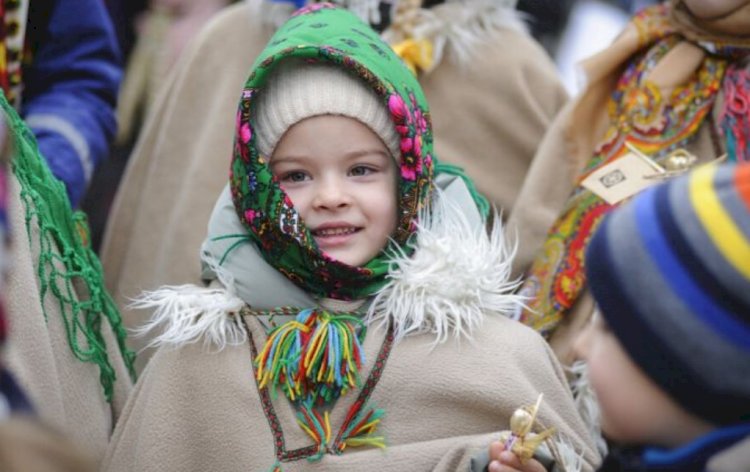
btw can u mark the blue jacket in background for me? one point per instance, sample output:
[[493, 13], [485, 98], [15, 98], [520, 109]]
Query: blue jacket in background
[[70, 87]]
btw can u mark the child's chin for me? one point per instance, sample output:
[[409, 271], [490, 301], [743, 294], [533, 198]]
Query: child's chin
[[352, 260]]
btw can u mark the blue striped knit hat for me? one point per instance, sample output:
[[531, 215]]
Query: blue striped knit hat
[[671, 274]]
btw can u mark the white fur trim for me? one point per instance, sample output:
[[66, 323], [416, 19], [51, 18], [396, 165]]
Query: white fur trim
[[187, 314], [457, 274], [586, 403], [567, 458], [457, 27]]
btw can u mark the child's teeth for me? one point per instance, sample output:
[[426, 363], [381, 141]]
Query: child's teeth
[[334, 231]]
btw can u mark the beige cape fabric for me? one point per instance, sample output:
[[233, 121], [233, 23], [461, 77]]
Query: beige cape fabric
[[28, 445], [491, 125], [65, 392], [199, 410]]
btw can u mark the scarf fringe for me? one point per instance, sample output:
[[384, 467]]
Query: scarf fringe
[[457, 274], [567, 458], [187, 314]]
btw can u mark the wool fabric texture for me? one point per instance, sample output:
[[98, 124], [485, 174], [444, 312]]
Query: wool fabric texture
[[671, 274], [298, 90]]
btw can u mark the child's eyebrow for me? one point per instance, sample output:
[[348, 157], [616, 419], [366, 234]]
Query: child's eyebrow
[[367, 152], [294, 159], [286, 159]]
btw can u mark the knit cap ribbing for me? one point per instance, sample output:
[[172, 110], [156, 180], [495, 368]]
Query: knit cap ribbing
[[296, 91]]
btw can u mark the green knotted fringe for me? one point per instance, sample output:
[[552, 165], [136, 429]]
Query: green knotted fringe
[[67, 267]]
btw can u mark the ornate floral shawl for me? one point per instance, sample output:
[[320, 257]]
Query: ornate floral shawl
[[637, 114]]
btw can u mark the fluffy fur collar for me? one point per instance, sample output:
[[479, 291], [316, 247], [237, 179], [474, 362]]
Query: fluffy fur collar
[[456, 28], [458, 274]]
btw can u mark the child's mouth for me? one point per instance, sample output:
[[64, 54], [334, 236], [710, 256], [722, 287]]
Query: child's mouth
[[333, 236], [328, 232]]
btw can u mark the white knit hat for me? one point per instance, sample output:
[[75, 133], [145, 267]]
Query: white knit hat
[[296, 90]]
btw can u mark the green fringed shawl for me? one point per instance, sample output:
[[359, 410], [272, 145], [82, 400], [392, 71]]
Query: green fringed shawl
[[67, 268]]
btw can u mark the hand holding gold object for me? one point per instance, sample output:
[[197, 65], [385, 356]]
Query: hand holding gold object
[[521, 439]]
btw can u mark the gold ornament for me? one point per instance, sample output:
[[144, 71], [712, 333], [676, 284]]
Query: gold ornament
[[521, 439]]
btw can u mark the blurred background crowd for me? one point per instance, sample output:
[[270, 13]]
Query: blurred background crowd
[[152, 34]]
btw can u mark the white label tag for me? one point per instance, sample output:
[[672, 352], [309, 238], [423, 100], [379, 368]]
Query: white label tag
[[621, 179]]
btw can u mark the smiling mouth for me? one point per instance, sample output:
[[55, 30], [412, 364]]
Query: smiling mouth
[[329, 232]]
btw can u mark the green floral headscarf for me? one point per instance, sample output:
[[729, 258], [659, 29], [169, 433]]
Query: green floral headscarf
[[322, 32]]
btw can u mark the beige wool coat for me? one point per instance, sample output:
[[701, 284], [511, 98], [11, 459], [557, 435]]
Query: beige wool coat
[[490, 124], [65, 392], [196, 409]]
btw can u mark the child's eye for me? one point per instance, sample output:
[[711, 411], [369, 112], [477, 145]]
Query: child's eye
[[294, 176], [359, 171]]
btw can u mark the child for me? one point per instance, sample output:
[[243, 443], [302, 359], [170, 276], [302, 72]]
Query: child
[[480, 44], [340, 268], [669, 353]]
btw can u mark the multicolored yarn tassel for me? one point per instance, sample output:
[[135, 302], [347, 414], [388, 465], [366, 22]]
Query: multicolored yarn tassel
[[359, 427], [317, 426], [315, 357]]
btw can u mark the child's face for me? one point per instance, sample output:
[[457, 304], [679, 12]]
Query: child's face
[[634, 410], [342, 181]]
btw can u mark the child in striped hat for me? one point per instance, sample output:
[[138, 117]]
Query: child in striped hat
[[669, 351]]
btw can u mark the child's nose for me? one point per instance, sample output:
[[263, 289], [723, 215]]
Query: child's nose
[[332, 194]]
